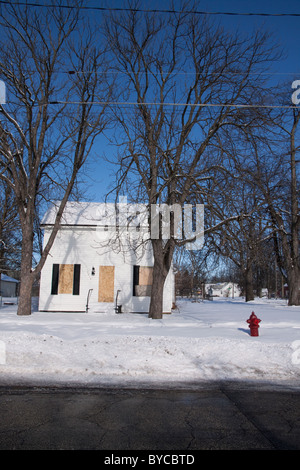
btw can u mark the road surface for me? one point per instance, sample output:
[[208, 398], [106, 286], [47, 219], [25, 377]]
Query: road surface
[[218, 417]]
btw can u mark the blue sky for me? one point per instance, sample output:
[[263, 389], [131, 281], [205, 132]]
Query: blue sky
[[286, 32], [286, 29]]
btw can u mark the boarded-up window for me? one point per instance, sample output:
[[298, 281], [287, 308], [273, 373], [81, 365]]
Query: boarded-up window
[[65, 279], [65, 282], [142, 281], [106, 283]]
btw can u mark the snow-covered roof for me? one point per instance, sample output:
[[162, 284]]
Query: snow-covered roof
[[6, 278], [95, 213], [218, 286]]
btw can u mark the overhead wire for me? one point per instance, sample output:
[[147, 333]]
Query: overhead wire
[[173, 11], [148, 10], [191, 105]]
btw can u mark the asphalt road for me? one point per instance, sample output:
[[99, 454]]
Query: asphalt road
[[219, 417]]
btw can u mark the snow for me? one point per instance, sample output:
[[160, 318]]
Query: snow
[[199, 342], [96, 213]]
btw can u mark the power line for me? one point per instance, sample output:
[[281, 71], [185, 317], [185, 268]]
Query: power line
[[73, 72], [176, 73], [196, 105], [141, 10]]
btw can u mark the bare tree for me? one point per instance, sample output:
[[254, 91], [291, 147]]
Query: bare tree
[[241, 242], [238, 201], [184, 78], [49, 62], [9, 231], [191, 270], [292, 252], [264, 156], [278, 182]]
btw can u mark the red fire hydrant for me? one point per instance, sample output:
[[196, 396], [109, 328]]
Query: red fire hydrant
[[253, 324]]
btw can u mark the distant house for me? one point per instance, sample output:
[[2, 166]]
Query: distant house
[[8, 286], [101, 259], [223, 289]]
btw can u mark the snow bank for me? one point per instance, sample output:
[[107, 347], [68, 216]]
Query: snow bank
[[198, 343]]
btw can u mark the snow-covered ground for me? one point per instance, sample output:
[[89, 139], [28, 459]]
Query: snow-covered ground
[[200, 342]]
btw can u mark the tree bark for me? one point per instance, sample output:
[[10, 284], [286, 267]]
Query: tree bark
[[294, 286], [27, 275], [248, 282], [162, 263], [24, 305], [156, 302]]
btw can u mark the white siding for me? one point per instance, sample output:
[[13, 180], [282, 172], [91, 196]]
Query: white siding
[[85, 246]]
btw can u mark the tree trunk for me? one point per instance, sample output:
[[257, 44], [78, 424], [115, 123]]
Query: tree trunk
[[156, 302], [27, 277], [248, 282], [24, 305], [163, 256], [294, 286]]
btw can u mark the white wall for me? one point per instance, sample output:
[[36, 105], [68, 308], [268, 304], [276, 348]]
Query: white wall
[[86, 246]]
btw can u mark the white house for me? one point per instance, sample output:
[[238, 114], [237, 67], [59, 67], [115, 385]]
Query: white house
[[223, 289], [101, 259]]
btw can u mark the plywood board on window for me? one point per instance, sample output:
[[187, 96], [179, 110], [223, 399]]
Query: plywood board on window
[[106, 283], [65, 283], [146, 276]]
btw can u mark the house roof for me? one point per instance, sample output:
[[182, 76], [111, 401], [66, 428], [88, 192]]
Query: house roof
[[6, 278], [94, 213]]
